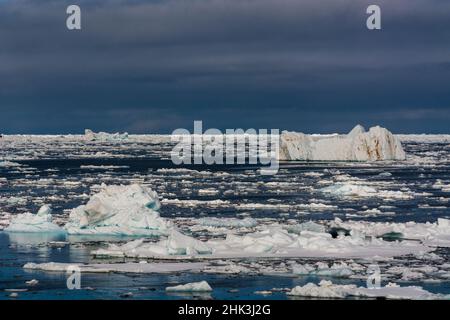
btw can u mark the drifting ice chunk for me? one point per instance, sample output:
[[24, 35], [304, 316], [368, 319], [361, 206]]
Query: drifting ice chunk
[[129, 267], [306, 226], [89, 135], [345, 190], [202, 286], [338, 270], [228, 222], [180, 244], [176, 244], [8, 164], [40, 222], [430, 234], [119, 210], [376, 144], [326, 289], [272, 242]]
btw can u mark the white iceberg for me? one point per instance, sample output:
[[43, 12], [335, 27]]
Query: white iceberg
[[431, 234], [119, 210], [326, 289], [272, 242], [176, 245], [347, 190], [201, 286], [337, 270], [90, 135], [128, 267], [40, 222], [306, 226], [358, 145]]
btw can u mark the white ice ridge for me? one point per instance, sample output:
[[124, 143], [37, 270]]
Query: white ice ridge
[[326, 289], [119, 210], [274, 241], [354, 189], [40, 222], [168, 267], [8, 164], [228, 222], [430, 234], [90, 135], [338, 270], [358, 145], [201, 286]]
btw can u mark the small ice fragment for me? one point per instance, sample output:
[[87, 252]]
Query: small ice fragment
[[32, 282], [201, 286]]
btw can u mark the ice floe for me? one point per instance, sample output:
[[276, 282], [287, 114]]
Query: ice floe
[[90, 135], [119, 210], [228, 222], [358, 145], [345, 189], [201, 286], [5, 220], [129, 267], [352, 189], [326, 289], [40, 222], [195, 203], [338, 270], [306, 226], [9, 164], [430, 234], [439, 184], [273, 241]]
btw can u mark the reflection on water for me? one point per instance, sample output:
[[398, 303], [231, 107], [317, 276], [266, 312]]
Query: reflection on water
[[33, 239]]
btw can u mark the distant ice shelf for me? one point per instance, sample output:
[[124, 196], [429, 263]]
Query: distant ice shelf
[[90, 135]]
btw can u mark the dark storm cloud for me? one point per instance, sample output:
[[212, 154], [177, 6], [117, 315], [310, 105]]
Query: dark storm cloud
[[147, 66]]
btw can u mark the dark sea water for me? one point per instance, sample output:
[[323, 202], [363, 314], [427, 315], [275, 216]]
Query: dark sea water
[[56, 174]]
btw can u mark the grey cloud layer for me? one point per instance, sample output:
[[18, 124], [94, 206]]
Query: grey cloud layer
[[157, 65]]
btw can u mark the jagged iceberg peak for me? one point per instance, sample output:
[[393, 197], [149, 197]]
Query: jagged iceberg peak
[[40, 222], [45, 211], [358, 145], [358, 129], [119, 210], [90, 135]]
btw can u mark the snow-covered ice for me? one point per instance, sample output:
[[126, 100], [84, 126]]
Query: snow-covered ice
[[235, 221], [430, 234], [273, 241], [228, 222], [326, 289], [40, 222], [90, 135], [352, 189], [338, 270], [358, 145], [201, 286], [119, 210], [129, 267]]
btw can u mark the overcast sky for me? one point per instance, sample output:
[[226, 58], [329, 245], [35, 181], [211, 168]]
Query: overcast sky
[[154, 66]]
